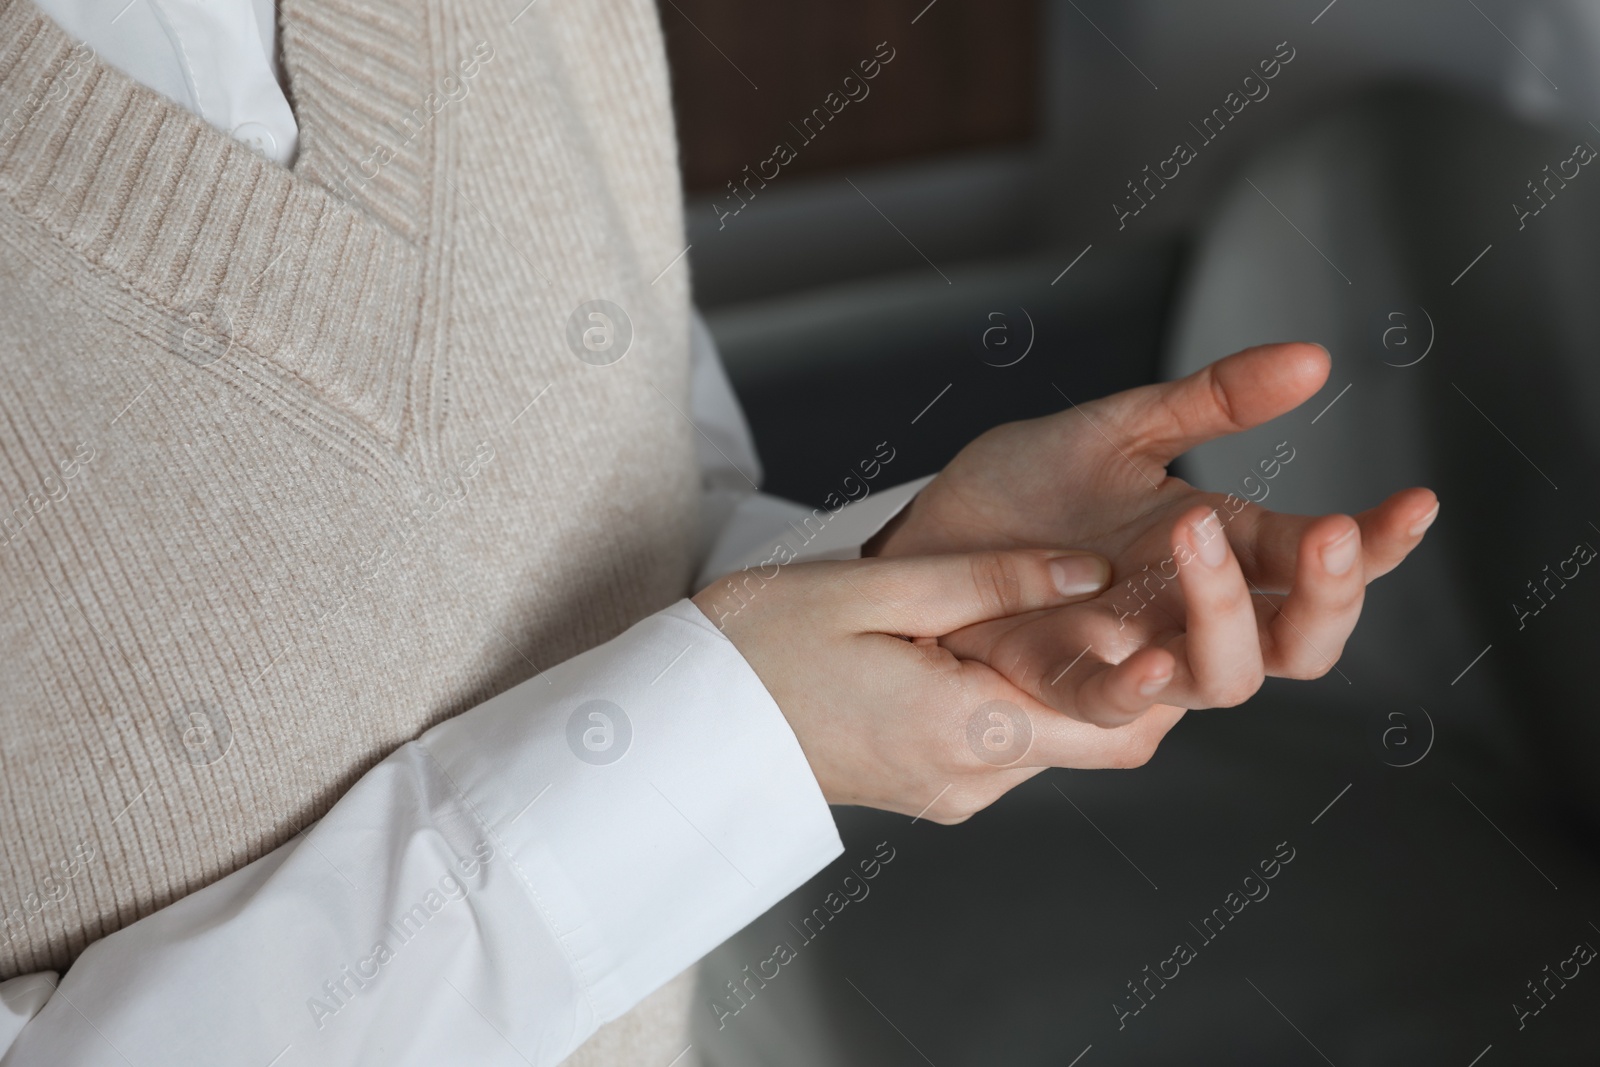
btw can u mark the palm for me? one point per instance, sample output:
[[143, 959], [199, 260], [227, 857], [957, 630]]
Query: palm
[[1130, 524], [1026, 483], [1095, 478]]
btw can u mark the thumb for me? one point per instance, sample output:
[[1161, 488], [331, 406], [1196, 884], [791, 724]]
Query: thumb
[[1236, 393], [929, 596]]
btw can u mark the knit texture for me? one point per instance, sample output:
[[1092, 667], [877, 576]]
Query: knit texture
[[296, 463]]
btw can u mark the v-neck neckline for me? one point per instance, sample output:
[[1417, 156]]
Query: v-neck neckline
[[200, 224]]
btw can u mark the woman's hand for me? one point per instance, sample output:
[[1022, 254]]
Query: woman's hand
[[902, 724], [1096, 477]]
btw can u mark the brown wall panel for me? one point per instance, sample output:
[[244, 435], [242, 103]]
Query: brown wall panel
[[964, 76]]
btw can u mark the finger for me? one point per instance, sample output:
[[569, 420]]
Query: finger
[[1050, 739], [1165, 420], [1075, 661], [1059, 741], [1219, 653], [1116, 695], [1268, 542], [1305, 635], [933, 595], [1392, 529]]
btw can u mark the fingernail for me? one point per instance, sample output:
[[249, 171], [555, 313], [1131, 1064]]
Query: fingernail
[[1340, 556], [1151, 686], [1209, 542], [1078, 575], [1420, 527]]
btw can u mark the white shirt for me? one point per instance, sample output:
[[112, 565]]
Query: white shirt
[[521, 873], [217, 58]]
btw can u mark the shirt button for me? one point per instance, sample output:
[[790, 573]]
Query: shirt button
[[257, 137]]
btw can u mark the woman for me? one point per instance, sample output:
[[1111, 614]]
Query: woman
[[350, 455]]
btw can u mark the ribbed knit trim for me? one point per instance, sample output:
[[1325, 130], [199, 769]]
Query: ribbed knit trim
[[360, 78], [195, 221]]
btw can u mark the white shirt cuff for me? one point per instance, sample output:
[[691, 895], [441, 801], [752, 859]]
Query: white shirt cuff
[[760, 523], [653, 826]]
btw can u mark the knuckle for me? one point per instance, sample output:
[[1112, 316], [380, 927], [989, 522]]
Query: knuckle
[[1323, 665], [1232, 598], [1219, 396], [1237, 689], [1312, 669], [998, 586], [1309, 664]]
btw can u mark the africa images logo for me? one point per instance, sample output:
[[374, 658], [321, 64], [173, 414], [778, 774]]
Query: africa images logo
[[599, 732]]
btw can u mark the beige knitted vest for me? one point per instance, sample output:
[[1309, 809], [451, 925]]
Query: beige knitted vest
[[297, 463]]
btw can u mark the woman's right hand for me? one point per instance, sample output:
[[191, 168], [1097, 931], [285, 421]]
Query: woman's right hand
[[889, 719]]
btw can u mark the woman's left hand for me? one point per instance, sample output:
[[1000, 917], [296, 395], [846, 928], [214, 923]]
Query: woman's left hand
[[1095, 477]]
